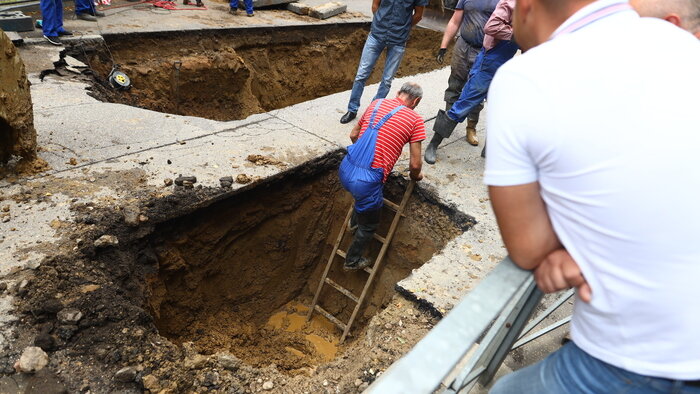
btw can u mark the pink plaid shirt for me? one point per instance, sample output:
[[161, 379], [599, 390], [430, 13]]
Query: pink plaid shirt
[[500, 26]]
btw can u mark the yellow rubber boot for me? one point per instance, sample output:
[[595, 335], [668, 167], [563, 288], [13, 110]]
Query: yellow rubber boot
[[472, 139]]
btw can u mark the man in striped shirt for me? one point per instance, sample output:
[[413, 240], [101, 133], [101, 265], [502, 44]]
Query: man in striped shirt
[[378, 139]]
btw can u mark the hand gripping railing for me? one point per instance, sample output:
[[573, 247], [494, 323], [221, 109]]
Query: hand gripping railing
[[502, 304]]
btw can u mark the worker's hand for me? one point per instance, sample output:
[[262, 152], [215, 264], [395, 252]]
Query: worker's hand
[[559, 271], [418, 177], [441, 55]]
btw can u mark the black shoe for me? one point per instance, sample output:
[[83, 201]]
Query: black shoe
[[233, 11], [251, 14], [358, 265], [86, 17], [65, 33], [99, 14], [53, 40], [349, 116]]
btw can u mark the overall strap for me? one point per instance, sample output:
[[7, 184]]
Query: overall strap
[[386, 117], [374, 112]]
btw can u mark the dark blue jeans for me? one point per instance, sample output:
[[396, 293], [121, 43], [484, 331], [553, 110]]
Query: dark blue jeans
[[370, 53], [570, 370], [480, 77], [52, 15]]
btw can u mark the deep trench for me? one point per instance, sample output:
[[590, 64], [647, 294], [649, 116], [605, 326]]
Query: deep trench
[[227, 75], [238, 275]]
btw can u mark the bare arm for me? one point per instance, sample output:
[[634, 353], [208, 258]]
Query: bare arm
[[524, 223], [355, 133], [417, 14], [375, 5], [415, 164], [501, 21], [451, 28]]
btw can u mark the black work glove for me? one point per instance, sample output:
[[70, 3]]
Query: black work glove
[[441, 55]]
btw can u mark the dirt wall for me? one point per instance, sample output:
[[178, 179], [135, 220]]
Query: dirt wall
[[17, 133], [231, 75]]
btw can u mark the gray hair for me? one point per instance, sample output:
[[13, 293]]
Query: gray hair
[[412, 89]]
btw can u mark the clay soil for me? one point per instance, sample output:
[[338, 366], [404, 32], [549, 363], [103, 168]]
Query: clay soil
[[231, 75], [210, 292]]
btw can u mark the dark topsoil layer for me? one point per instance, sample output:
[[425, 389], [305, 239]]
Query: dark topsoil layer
[[109, 286]]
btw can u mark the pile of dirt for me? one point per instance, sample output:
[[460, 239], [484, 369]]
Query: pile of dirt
[[227, 76], [17, 133], [194, 260]]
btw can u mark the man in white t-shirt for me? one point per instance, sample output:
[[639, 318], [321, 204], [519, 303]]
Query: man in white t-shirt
[[592, 168]]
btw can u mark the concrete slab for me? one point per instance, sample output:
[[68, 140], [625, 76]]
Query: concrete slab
[[327, 10]]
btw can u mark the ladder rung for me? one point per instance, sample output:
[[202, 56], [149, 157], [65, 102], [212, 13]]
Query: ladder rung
[[379, 238], [330, 317], [341, 289], [368, 270], [340, 253], [391, 205]]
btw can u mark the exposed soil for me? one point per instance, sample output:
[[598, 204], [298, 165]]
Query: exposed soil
[[17, 133], [209, 292], [228, 75]]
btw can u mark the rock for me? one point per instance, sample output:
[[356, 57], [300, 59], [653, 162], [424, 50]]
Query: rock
[[143, 218], [325, 383], [66, 332], [69, 316], [45, 341], [195, 362], [131, 216], [151, 383], [125, 375], [73, 62], [89, 288], [358, 382], [21, 288], [6, 208], [188, 184], [228, 361], [181, 180], [226, 181], [3, 287], [327, 10], [268, 385], [106, 240], [168, 181], [299, 8], [363, 387], [32, 359], [73, 161], [243, 179], [211, 379]]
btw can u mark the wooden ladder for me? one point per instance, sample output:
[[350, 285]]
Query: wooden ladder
[[371, 270]]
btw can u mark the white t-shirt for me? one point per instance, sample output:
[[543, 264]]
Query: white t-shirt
[[607, 120]]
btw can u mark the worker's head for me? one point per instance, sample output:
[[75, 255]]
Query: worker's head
[[534, 21], [682, 13], [410, 93]]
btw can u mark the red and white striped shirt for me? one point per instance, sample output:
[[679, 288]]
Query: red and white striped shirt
[[404, 127]]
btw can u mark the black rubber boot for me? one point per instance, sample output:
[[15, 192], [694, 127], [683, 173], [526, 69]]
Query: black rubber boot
[[431, 151]]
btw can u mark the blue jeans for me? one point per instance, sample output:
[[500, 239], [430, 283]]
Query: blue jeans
[[571, 370], [248, 5], [84, 7], [370, 53], [52, 17], [480, 77]]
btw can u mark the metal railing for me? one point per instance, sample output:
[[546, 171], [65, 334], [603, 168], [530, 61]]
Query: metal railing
[[449, 360]]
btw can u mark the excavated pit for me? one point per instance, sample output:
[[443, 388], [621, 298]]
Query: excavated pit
[[227, 75], [239, 275]]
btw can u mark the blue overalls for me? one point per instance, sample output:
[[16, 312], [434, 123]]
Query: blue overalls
[[366, 185], [84, 7], [356, 173]]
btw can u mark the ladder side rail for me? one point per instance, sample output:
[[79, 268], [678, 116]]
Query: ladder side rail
[[343, 229]]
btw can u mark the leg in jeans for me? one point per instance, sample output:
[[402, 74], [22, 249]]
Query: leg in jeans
[[248, 6], [571, 370], [367, 223], [463, 58], [84, 7], [370, 53], [394, 54], [52, 15]]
